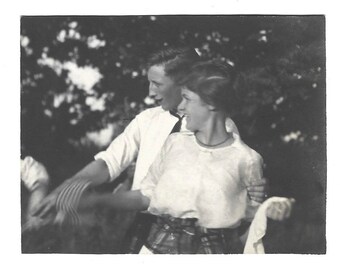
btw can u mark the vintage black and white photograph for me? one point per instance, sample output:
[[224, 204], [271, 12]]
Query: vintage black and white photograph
[[173, 134]]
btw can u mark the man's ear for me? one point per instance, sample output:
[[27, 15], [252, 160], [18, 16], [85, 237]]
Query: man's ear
[[211, 108]]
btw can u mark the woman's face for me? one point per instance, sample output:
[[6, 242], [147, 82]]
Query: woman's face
[[195, 110]]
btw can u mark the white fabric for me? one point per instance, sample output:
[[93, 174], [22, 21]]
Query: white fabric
[[145, 251], [32, 173], [142, 139], [258, 227], [189, 181]]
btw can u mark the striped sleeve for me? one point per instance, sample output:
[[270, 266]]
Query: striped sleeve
[[68, 200]]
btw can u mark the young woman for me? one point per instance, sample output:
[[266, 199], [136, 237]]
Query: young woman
[[197, 186], [35, 178]]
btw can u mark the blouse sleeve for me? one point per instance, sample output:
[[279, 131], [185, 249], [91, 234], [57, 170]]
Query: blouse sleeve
[[155, 172], [253, 176]]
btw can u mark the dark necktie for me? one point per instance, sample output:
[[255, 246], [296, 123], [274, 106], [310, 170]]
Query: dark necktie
[[177, 126]]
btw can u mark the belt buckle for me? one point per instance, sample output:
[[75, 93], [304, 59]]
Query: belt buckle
[[203, 229]]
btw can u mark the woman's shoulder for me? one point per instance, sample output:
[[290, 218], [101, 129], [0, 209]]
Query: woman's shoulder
[[178, 140], [246, 151], [181, 136]]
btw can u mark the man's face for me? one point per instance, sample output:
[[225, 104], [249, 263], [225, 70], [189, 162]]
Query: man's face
[[166, 93]]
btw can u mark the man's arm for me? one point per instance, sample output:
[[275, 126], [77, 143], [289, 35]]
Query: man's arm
[[258, 192], [107, 166], [95, 173]]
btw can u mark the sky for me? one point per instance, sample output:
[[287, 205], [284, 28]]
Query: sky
[[9, 69]]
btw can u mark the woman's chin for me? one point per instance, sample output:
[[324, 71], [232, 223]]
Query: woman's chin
[[191, 128]]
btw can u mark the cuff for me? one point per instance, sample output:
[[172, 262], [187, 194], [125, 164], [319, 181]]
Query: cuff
[[108, 161]]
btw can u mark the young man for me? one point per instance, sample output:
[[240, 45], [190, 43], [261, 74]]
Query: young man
[[142, 139]]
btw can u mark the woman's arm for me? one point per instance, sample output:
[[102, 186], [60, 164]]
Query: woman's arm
[[128, 200]]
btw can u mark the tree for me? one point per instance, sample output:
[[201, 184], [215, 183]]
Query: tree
[[280, 67]]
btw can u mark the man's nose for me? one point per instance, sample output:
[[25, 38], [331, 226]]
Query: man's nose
[[180, 107], [152, 91]]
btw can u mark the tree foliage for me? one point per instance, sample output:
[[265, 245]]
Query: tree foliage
[[280, 67]]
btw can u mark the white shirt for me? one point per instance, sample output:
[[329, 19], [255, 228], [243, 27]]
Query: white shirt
[[143, 138], [32, 173], [189, 181]]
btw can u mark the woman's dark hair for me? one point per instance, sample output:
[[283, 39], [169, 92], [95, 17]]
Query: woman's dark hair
[[175, 60], [213, 82]]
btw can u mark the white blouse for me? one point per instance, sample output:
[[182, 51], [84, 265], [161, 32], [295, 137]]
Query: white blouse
[[143, 139], [189, 181]]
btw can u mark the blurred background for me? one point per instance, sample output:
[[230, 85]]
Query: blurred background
[[83, 79]]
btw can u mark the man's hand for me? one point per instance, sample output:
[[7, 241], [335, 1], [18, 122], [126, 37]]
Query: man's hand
[[280, 210], [95, 173], [258, 192]]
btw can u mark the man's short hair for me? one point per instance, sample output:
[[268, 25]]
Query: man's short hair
[[175, 60]]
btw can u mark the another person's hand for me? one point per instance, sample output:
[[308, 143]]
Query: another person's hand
[[258, 192], [47, 206], [280, 210], [35, 223]]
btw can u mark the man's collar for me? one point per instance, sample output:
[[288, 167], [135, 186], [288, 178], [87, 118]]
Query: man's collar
[[176, 114]]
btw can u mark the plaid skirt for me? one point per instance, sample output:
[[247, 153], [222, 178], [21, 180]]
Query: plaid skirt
[[170, 235], [137, 233]]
